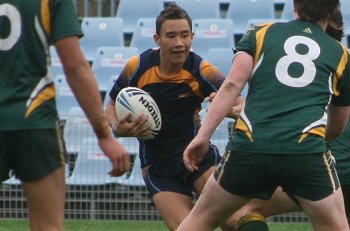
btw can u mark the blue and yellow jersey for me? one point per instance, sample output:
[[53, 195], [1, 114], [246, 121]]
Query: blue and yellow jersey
[[178, 97], [298, 70], [27, 92]]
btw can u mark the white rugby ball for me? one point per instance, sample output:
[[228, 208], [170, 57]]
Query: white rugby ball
[[137, 101]]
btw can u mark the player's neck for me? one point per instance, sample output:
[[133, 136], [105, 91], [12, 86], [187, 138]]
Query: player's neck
[[322, 23], [169, 70]]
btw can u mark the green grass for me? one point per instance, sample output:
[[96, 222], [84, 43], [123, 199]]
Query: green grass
[[83, 225]]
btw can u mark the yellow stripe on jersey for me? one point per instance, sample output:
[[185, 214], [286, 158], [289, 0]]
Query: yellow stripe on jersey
[[241, 125], [46, 16], [150, 77], [318, 131], [260, 36], [344, 60], [48, 92], [131, 66]]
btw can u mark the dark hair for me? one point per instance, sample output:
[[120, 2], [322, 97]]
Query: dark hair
[[173, 11], [335, 25], [315, 10]]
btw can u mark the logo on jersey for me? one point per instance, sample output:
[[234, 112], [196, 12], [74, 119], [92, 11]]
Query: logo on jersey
[[307, 30]]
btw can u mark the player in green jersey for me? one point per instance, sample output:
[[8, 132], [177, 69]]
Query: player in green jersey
[[252, 216], [31, 143], [298, 99]]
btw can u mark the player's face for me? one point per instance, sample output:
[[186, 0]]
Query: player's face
[[175, 40]]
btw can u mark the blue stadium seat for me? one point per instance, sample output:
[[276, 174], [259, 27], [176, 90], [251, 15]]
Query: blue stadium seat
[[210, 33], [240, 11], [132, 10], [221, 58], [65, 98], [91, 167], [199, 9], [345, 9], [142, 37], [288, 10], [100, 31], [77, 128], [109, 63], [56, 65]]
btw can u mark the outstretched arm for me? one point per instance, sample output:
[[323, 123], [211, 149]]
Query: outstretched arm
[[221, 106], [84, 86]]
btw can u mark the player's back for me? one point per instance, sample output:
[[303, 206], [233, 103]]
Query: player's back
[[26, 89], [297, 68]]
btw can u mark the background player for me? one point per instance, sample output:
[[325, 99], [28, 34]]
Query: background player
[[178, 80]]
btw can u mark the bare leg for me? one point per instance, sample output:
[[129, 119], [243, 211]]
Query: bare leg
[[257, 210], [199, 184], [279, 203], [328, 213], [172, 207], [213, 207], [46, 199]]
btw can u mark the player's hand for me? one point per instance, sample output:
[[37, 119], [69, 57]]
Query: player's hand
[[195, 152], [117, 154], [128, 127], [210, 97]]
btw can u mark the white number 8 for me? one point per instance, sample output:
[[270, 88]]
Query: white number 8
[[15, 30], [305, 60]]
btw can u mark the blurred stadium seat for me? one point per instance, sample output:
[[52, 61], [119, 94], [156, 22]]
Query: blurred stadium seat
[[76, 129], [345, 9], [240, 11], [109, 63], [199, 9], [91, 166], [65, 98], [142, 38], [132, 10], [221, 58], [288, 10], [210, 33], [56, 65], [101, 31]]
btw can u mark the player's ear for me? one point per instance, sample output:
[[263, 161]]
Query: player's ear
[[156, 39]]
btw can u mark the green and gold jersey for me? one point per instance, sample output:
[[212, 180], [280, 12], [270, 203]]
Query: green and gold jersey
[[27, 92], [341, 151], [298, 70]]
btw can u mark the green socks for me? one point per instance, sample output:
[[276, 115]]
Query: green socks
[[252, 222]]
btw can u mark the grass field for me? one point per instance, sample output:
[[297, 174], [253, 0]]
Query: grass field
[[83, 225]]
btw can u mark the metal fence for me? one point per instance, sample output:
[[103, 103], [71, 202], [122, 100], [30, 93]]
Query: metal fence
[[91, 194]]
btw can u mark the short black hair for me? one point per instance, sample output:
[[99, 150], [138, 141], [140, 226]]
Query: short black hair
[[173, 11]]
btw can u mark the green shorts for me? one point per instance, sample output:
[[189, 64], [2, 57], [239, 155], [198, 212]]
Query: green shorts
[[31, 154], [310, 176]]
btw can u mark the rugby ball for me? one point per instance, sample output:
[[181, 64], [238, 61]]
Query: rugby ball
[[137, 101]]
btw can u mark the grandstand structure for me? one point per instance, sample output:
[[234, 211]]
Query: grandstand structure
[[91, 193]]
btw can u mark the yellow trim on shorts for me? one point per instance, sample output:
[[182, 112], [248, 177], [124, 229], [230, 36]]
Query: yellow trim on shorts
[[60, 143], [329, 171]]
